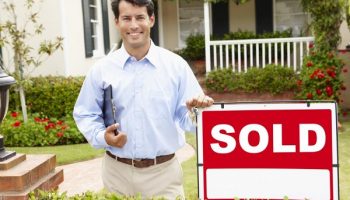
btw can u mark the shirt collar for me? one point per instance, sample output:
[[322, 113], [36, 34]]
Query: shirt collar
[[151, 55]]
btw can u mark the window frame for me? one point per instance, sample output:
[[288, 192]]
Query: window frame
[[96, 31]]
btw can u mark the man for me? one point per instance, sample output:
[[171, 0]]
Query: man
[[154, 92]]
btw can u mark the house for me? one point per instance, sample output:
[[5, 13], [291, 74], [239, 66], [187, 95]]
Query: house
[[88, 29]]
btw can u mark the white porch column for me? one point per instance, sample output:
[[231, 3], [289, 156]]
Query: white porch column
[[207, 36]]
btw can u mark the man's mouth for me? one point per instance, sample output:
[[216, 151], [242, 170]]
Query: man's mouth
[[135, 34]]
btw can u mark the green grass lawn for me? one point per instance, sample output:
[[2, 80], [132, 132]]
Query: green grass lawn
[[344, 160], [65, 154]]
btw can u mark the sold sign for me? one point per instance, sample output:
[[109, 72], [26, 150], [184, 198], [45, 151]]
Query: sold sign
[[268, 151]]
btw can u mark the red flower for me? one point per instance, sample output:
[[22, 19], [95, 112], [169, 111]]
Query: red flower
[[309, 96], [345, 114], [49, 126], [59, 122], [14, 114], [311, 45], [64, 127], [37, 119], [317, 73], [319, 92], [16, 124], [329, 91], [59, 134], [345, 70], [299, 82], [331, 73], [320, 75], [309, 63]]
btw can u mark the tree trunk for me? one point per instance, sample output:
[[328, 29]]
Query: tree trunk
[[23, 103], [19, 78]]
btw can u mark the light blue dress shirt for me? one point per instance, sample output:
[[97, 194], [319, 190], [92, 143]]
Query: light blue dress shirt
[[150, 96]]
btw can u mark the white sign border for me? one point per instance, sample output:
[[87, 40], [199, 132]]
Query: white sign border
[[274, 105]]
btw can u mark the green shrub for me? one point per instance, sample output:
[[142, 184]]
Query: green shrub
[[320, 77], [49, 195], [222, 80], [273, 79], [39, 131], [195, 48], [52, 96]]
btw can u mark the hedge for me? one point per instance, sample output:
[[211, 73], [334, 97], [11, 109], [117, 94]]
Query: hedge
[[53, 96]]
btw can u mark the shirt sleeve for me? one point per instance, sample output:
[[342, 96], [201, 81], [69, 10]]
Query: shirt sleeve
[[88, 109], [188, 88]]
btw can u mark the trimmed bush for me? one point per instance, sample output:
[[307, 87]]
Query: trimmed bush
[[52, 96], [274, 79]]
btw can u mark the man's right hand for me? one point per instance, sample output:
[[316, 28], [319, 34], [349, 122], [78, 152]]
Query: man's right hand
[[115, 140]]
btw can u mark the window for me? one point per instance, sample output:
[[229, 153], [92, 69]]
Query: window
[[96, 31], [290, 14], [191, 19]]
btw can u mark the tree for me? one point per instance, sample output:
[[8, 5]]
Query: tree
[[16, 38]]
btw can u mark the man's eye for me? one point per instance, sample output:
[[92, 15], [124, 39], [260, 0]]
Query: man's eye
[[126, 19], [140, 18]]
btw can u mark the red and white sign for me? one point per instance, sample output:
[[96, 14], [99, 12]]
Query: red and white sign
[[268, 151]]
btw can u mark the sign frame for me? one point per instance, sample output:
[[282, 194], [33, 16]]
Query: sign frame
[[203, 172]]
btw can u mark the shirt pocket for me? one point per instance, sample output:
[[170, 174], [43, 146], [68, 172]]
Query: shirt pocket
[[158, 105]]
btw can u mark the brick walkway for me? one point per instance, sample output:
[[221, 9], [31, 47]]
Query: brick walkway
[[82, 176]]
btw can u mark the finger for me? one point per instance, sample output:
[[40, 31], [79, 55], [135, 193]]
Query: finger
[[190, 104], [120, 140], [208, 102], [194, 102], [201, 100], [111, 128]]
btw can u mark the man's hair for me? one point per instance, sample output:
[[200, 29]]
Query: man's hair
[[140, 3]]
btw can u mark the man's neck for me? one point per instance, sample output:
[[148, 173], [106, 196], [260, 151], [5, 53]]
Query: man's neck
[[139, 52]]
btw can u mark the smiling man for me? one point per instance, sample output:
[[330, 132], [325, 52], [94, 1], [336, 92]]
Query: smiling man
[[154, 92]]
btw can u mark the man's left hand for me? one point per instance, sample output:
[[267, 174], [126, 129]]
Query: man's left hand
[[201, 101]]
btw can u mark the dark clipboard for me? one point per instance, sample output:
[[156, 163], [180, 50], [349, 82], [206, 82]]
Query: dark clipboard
[[109, 109]]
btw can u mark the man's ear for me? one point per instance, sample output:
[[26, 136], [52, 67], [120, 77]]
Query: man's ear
[[116, 22], [152, 19]]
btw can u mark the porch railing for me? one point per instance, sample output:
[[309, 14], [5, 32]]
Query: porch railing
[[244, 54]]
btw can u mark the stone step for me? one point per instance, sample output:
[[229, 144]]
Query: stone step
[[11, 162], [48, 182], [27, 173]]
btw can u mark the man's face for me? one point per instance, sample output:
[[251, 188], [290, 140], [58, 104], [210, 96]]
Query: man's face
[[134, 25]]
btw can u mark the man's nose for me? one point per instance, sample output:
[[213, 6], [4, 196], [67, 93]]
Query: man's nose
[[134, 23]]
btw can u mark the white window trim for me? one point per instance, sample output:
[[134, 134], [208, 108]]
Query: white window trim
[[98, 50]]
